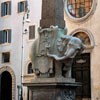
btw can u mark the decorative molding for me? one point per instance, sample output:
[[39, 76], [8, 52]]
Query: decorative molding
[[81, 61], [88, 33]]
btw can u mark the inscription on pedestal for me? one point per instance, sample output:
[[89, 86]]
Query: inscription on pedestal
[[43, 95], [52, 93]]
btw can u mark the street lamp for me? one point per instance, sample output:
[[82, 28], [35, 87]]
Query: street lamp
[[25, 20]]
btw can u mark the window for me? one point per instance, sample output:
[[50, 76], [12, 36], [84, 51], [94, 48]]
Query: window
[[6, 57], [78, 8], [6, 8], [30, 70], [84, 37], [81, 72], [5, 36], [21, 6], [32, 32]]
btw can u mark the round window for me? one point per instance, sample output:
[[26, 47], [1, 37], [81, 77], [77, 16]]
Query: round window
[[78, 8]]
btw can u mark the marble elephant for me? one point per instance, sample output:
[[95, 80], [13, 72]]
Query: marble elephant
[[66, 47], [53, 43]]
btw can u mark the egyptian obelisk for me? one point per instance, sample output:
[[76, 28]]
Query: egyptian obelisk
[[52, 13]]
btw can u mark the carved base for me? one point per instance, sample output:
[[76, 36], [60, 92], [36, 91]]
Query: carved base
[[52, 89], [52, 92]]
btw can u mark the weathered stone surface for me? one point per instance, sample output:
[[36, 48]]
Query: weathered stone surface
[[52, 13], [56, 80], [52, 91]]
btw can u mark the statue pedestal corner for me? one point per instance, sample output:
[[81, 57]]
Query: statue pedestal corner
[[52, 89]]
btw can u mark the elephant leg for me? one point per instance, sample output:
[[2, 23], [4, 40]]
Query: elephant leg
[[68, 72], [68, 67]]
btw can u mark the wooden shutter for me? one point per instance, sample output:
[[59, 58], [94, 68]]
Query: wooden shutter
[[9, 3], [32, 32], [9, 36], [18, 7], [0, 37], [25, 3], [2, 9]]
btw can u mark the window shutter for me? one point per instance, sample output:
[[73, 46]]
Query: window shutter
[[0, 37], [32, 32], [25, 3], [9, 7], [2, 9], [9, 36], [18, 7]]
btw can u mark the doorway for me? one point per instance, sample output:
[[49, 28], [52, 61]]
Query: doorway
[[81, 72], [5, 86]]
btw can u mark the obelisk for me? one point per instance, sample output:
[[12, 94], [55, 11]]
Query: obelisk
[[52, 13]]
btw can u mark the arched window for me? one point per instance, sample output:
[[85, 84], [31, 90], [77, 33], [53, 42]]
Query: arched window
[[84, 37], [30, 70], [78, 8]]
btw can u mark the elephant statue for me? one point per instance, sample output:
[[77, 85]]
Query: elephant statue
[[54, 45], [67, 47]]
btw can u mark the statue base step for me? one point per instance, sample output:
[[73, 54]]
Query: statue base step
[[52, 89]]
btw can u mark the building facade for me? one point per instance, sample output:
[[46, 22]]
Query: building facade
[[15, 41], [16, 38], [82, 20]]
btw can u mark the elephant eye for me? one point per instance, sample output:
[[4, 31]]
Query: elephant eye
[[70, 44]]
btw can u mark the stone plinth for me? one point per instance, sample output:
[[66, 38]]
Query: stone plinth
[[51, 89]]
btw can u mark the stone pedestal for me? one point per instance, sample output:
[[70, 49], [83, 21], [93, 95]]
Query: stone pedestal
[[52, 89]]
